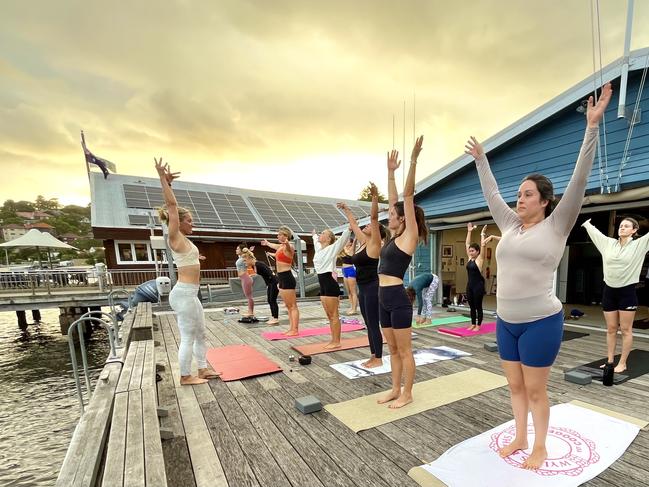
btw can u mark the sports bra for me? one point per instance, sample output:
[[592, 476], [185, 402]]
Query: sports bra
[[347, 259], [280, 256], [241, 265], [185, 259], [394, 261]]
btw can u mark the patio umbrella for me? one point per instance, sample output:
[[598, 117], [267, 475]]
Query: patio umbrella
[[35, 238]]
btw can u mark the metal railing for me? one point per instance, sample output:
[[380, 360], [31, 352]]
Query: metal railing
[[89, 319], [45, 280]]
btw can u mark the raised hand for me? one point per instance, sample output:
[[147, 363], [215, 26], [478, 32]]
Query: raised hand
[[416, 150], [474, 148], [264, 243], [484, 230], [595, 113], [164, 171], [342, 206], [374, 192], [470, 227], [393, 160]]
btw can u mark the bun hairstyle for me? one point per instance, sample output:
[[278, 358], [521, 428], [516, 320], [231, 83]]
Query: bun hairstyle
[[163, 213], [545, 189], [422, 228], [246, 253], [286, 231]]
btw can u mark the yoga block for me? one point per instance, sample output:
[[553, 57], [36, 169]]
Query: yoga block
[[578, 377], [308, 404], [491, 346]]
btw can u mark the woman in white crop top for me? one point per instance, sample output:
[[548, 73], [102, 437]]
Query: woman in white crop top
[[184, 296]]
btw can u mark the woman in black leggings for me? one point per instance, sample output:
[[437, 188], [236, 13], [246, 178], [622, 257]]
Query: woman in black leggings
[[366, 260], [270, 279], [475, 290]]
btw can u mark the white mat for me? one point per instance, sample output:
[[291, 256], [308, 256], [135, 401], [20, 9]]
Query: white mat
[[423, 356], [582, 443]]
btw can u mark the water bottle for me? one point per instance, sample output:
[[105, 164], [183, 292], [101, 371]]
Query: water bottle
[[607, 378]]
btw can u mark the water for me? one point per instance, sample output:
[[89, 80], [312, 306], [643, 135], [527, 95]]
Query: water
[[39, 408]]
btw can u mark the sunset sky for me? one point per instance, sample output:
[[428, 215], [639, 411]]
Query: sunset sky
[[294, 96]]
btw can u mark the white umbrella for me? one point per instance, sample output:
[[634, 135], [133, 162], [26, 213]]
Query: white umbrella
[[35, 238]]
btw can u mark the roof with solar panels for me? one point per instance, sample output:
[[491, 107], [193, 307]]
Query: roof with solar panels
[[125, 202]]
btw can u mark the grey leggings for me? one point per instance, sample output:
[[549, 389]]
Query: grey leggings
[[191, 323]]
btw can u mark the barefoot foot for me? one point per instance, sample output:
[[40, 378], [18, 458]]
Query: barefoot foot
[[619, 368], [401, 401], [536, 459], [373, 362], [514, 446], [332, 345], [291, 333], [190, 380], [207, 373], [390, 396], [273, 322]]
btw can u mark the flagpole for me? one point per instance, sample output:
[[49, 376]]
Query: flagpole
[[83, 145]]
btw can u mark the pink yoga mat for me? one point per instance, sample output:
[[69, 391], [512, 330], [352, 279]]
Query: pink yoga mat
[[464, 331], [309, 332], [235, 362]]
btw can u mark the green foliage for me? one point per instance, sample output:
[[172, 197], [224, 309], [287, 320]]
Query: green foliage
[[366, 196], [43, 204]]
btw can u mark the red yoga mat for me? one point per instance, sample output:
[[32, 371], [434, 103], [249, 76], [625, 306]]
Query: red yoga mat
[[236, 362], [309, 332], [464, 331], [345, 344]]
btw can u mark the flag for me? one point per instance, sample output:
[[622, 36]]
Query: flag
[[103, 164]]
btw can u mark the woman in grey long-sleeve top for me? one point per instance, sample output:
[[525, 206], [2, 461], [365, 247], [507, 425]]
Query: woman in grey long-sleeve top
[[530, 317]]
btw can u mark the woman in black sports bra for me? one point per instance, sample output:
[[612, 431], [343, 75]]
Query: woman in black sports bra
[[408, 226], [366, 261]]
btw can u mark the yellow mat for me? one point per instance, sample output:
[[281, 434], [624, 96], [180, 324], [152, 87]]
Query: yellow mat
[[426, 479], [364, 413]]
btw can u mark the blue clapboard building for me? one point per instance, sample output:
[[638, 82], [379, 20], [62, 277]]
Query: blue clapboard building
[[548, 141]]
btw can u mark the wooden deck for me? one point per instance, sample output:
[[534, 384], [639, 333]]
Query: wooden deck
[[248, 433]]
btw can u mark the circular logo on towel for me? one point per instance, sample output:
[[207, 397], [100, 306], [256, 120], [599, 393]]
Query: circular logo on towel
[[568, 451]]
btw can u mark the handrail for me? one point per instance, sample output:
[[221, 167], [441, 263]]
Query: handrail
[[116, 330], [82, 345]]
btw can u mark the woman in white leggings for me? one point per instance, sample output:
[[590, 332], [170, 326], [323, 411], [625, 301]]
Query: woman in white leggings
[[184, 296]]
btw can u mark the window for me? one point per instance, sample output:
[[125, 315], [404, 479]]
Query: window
[[124, 252], [139, 252]]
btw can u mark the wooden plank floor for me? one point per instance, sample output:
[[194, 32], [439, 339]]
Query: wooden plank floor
[[248, 433]]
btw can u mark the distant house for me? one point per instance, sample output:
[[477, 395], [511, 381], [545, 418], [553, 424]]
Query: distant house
[[33, 216], [41, 226], [69, 238], [13, 231]]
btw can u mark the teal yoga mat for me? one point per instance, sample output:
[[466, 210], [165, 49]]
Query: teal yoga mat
[[443, 321]]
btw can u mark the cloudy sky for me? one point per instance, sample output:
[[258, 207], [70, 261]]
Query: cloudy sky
[[275, 94]]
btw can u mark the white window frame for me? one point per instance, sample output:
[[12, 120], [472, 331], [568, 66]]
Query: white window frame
[[132, 244]]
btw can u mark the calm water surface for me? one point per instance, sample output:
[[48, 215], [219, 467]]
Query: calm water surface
[[38, 403]]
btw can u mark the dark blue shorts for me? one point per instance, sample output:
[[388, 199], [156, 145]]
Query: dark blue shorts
[[535, 344], [349, 272]]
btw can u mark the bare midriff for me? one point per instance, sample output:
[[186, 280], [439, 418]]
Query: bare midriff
[[190, 274], [283, 267], [389, 280]]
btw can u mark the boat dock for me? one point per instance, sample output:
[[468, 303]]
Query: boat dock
[[141, 432]]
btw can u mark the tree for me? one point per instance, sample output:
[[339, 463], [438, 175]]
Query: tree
[[366, 196], [43, 205]]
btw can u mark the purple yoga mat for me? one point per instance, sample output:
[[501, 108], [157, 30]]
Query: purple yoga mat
[[309, 332], [464, 331]]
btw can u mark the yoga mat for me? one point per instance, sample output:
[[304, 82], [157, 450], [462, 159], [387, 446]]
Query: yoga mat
[[443, 321], [636, 365], [350, 321], [423, 356], [235, 362], [583, 441], [345, 344], [571, 335], [364, 412], [463, 332], [641, 324], [309, 332]]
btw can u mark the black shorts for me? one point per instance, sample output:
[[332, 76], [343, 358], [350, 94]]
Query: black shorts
[[286, 280], [395, 309], [328, 285], [619, 298]]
